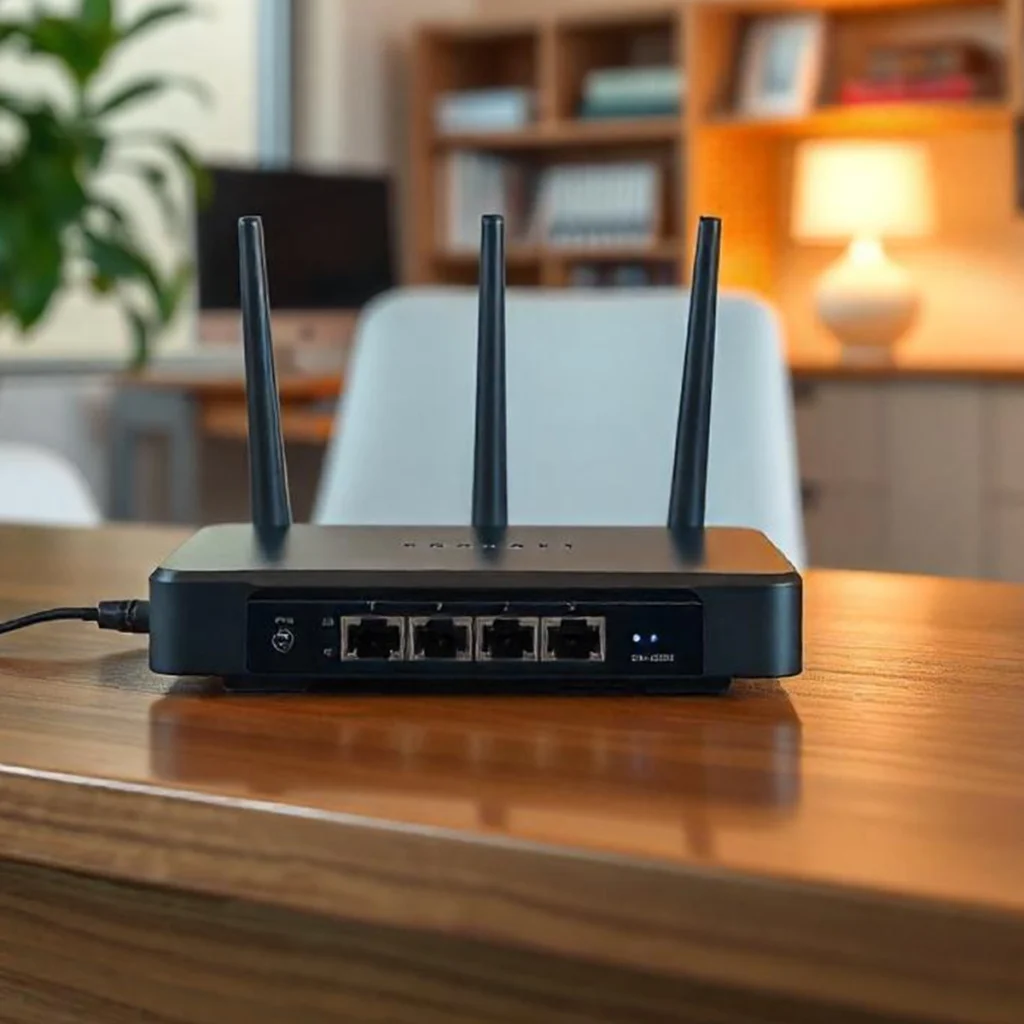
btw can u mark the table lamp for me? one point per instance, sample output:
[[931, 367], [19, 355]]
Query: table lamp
[[861, 193]]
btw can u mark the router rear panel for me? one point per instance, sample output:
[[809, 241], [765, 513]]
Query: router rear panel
[[657, 637], [626, 637]]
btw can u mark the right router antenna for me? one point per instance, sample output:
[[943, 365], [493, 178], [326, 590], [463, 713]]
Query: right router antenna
[[688, 498], [268, 476], [490, 473]]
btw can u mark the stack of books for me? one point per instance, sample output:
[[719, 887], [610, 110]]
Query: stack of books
[[632, 92], [938, 71], [567, 205], [483, 110], [610, 204]]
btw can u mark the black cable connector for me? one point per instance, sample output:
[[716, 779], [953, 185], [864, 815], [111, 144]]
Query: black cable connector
[[124, 616], [120, 616]]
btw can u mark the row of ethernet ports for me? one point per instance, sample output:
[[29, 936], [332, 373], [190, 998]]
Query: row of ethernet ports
[[492, 638]]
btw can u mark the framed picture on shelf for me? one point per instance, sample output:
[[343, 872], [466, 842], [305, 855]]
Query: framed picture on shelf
[[780, 65]]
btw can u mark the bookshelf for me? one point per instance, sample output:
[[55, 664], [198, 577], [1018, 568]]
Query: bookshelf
[[712, 160], [549, 56]]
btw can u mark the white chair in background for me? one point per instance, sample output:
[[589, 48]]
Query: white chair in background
[[40, 487], [593, 396]]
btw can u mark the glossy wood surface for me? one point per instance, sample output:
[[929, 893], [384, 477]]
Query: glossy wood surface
[[852, 838]]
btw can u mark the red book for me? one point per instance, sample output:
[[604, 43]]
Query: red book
[[948, 87]]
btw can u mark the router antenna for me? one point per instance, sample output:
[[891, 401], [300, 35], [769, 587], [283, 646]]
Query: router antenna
[[268, 475], [490, 472], [690, 473]]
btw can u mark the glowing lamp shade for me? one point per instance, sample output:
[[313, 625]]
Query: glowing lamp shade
[[848, 190], [861, 193]]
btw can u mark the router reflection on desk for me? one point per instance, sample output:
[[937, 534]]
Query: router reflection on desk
[[529, 769]]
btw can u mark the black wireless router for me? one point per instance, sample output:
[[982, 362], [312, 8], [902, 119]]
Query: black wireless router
[[485, 608]]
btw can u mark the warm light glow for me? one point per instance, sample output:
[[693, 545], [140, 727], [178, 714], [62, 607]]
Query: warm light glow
[[844, 190], [866, 252]]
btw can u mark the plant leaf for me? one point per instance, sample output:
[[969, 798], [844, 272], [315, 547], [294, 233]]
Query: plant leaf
[[97, 12], [11, 30], [202, 182], [157, 178], [36, 279], [144, 87], [170, 296], [101, 284], [116, 257], [140, 337], [93, 147], [154, 16], [15, 227], [12, 106], [81, 48]]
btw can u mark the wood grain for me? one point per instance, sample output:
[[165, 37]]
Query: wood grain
[[75, 949], [851, 839]]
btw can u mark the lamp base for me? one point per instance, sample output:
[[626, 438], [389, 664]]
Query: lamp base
[[867, 301]]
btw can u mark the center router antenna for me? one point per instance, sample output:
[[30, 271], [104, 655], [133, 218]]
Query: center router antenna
[[268, 475], [490, 466], [688, 497]]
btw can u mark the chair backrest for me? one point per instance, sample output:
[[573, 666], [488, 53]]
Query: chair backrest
[[593, 396], [38, 486]]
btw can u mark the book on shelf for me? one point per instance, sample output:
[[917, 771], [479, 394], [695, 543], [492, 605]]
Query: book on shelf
[[607, 204], [562, 206], [632, 92], [948, 70], [948, 87], [483, 110]]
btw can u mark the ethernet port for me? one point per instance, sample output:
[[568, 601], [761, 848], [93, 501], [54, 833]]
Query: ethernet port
[[441, 638], [574, 639], [507, 638], [373, 638]]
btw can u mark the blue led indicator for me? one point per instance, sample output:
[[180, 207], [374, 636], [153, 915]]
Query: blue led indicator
[[636, 638], [654, 638]]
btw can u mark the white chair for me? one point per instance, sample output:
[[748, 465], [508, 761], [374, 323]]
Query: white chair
[[593, 396], [40, 487]]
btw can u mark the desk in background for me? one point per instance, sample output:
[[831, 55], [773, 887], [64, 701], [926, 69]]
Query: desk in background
[[185, 408], [843, 847]]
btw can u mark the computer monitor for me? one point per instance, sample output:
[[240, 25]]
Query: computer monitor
[[328, 238]]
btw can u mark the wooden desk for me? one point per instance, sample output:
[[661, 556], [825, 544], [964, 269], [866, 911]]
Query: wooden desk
[[183, 409], [844, 847]]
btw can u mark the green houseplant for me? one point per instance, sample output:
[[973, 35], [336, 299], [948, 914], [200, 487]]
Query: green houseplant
[[60, 219]]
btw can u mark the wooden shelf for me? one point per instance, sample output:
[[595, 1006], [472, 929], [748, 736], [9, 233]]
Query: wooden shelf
[[738, 168], [517, 255], [569, 134], [926, 117]]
